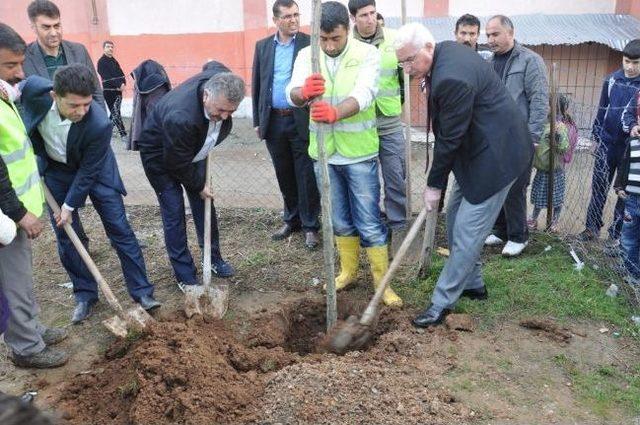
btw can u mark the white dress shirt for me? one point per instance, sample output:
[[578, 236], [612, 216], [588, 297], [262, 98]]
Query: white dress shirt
[[212, 137], [54, 131]]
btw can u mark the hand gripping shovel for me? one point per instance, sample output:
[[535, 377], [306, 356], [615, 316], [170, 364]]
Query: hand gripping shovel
[[205, 299], [354, 334], [134, 318]]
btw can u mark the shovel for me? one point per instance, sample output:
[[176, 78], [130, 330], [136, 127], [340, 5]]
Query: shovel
[[354, 334], [135, 318], [205, 299], [427, 245]]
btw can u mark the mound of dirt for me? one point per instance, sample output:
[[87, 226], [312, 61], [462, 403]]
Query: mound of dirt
[[267, 368], [191, 372]]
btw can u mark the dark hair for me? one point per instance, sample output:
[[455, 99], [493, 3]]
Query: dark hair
[[334, 14], [379, 17], [632, 49], [11, 40], [504, 21], [355, 5], [42, 7], [563, 102], [107, 42], [75, 79], [468, 19], [14, 411], [282, 3]]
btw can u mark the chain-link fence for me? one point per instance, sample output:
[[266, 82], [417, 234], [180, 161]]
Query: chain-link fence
[[244, 176]]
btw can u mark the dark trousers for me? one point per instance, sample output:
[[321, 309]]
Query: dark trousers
[[294, 171], [110, 207], [113, 99], [512, 221], [175, 230], [604, 169]]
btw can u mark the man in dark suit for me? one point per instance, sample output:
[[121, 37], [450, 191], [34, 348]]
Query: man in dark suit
[[50, 51], [285, 129], [71, 134], [178, 134], [482, 137]]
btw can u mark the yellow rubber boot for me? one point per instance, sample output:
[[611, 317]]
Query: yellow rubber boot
[[349, 253], [379, 261]]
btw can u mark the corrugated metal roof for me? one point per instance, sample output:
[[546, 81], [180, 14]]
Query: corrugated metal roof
[[612, 30]]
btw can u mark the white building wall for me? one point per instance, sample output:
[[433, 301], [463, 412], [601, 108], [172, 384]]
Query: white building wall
[[133, 17], [526, 7]]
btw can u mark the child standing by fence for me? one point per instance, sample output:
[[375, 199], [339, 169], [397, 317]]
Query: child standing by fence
[[565, 143]]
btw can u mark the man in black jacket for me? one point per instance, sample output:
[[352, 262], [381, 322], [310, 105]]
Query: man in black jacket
[[113, 84], [178, 134], [480, 136], [285, 129]]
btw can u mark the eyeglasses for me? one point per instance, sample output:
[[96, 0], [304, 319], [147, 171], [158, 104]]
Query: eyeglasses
[[289, 17], [407, 61]]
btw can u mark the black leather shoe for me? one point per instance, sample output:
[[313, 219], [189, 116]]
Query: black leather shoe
[[82, 311], [284, 232], [476, 294], [148, 302], [311, 239], [431, 316]]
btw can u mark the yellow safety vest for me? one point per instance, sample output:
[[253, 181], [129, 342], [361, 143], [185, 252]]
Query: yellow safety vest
[[351, 137], [17, 154], [388, 99]]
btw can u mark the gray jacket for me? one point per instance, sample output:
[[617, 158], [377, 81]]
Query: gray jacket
[[74, 52], [525, 76]]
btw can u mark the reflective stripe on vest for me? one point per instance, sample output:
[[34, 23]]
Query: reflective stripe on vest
[[351, 137], [17, 153], [388, 99]]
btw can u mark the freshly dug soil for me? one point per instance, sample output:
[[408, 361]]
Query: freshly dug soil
[[267, 368], [181, 372]]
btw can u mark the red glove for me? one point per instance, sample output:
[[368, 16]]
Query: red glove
[[313, 86], [321, 111]]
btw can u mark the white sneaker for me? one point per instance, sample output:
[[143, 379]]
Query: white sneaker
[[493, 240], [513, 249]]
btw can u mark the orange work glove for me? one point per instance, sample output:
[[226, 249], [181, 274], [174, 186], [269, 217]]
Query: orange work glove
[[321, 111], [313, 86]]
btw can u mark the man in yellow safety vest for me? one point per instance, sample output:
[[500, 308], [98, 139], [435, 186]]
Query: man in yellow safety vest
[[349, 83], [388, 107], [21, 199]]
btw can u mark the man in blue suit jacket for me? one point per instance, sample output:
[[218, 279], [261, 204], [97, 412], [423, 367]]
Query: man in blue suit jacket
[[71, 135]]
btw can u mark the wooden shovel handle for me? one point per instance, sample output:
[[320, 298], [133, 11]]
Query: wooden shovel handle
[[371, 309], [206, 255], [102, 284]]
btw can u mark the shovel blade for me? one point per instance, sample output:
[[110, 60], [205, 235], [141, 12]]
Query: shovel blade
[[138, 318], [215, 301], [117, 326], [192, 300]]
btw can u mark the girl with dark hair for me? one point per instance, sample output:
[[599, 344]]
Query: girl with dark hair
[[565, 142]]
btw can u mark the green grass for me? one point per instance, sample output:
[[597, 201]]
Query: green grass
[[545, 284], [604, 388], [538, 283]]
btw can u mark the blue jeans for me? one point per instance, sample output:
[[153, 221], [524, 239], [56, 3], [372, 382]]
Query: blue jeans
[[355, 197], [110, 207], [604, 169], [175, 230], [630, 237]]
